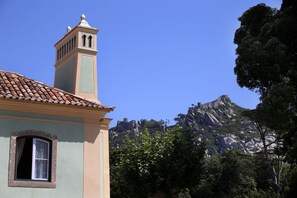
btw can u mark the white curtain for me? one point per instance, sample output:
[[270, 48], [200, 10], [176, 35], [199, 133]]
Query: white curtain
[[41, 159]]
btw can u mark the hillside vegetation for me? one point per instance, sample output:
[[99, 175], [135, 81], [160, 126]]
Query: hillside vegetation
[[212, 151], [219, 124]]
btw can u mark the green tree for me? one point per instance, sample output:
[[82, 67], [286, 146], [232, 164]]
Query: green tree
[[162, 162], [272, 160], [267, 64], [118, 184], [290, 178], [235, 175], [230, 175], [208, 187]]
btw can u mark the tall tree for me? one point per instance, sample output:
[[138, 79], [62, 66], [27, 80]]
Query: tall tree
[[267, 64], [268, 138], [230, 175]]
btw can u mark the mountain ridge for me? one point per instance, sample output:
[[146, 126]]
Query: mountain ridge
[[218, 124]]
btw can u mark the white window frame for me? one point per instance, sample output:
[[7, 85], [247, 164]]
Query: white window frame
[[33, 175]]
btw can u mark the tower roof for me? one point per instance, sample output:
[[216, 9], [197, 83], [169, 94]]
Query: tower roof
[[81, 25], [83, 22], [18, 87]]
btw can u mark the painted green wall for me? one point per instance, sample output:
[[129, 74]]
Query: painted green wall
[[66, 75], [86, 81], [69, 181]]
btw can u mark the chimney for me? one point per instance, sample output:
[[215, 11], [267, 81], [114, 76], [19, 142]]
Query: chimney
[[76, 61]]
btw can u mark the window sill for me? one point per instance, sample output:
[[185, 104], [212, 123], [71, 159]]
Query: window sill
[[31, 184]]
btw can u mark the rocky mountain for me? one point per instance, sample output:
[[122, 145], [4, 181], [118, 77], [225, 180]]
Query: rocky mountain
[[219, 124], [128, 129]]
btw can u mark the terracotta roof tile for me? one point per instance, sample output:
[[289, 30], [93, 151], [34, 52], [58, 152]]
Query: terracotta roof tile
[[16, 86]]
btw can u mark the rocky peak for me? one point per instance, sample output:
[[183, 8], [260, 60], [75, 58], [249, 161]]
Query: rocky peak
[[223, 100], [210, 114], [219, 124], [126, 125], [128, 128]]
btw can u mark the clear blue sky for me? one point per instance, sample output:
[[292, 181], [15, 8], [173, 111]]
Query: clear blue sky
[[155, 57]]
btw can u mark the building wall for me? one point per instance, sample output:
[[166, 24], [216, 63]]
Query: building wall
[[65, 76], [86, 81], [70, 133]]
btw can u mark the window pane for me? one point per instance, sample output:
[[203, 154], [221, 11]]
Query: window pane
[[40, 160], [41, 150], [23, 161], [41, 169]]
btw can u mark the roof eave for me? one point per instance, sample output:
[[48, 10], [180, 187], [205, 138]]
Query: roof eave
[[53, 108]]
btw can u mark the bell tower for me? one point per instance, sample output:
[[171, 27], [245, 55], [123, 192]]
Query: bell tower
[[76, 61]]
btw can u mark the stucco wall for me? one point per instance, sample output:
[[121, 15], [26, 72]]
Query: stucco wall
[[69, 182], [65, 75], [86, 81]]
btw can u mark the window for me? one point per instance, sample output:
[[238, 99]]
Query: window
[[90, 41], [84, 40], [61, 52], [71, 44], [33, 159]]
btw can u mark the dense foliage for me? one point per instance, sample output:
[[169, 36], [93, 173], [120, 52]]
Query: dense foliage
[[162, 162], [169, 164], [267, 63]]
